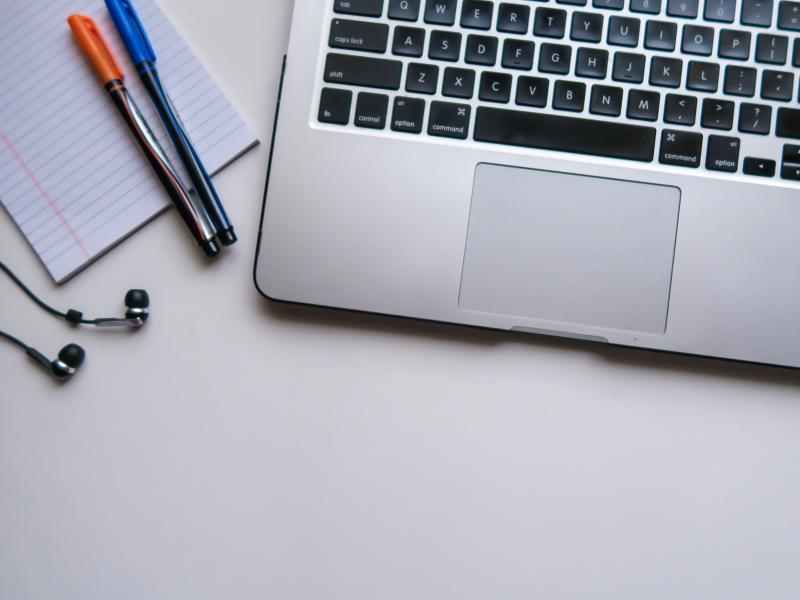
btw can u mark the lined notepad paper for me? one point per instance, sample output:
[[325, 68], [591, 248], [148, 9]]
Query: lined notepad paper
[[71, 177]]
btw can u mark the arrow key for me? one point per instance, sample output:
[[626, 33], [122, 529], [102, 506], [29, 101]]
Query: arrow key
[[790, 171], [717, 114], [760, 167], [791, 153]]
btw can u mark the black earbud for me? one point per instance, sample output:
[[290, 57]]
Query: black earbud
[[65, 366], [71, 357], [137, 305]]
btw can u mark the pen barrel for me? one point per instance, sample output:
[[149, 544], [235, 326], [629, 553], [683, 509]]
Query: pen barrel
[[198, 175], [196, 219]]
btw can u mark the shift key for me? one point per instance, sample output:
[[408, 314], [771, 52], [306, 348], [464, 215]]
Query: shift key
[[363, 71]]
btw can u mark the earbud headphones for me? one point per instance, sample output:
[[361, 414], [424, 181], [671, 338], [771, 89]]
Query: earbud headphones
[[71, 357]]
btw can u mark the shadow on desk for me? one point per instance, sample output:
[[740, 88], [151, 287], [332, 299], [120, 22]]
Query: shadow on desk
[[634, 357]]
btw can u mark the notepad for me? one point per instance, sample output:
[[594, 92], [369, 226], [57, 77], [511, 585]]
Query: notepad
[[71, 177]]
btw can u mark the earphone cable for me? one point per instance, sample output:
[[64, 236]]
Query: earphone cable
[[71, 316], [10, 338]]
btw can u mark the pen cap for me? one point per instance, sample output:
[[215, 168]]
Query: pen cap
[[95, 47], [131, 31]]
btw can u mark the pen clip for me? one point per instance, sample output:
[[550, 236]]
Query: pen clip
[[132, 31], [96, 47]]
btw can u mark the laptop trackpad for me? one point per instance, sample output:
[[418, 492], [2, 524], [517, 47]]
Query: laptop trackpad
[[570, 249]]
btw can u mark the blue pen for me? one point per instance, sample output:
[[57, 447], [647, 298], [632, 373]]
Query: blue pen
[[144, 57]]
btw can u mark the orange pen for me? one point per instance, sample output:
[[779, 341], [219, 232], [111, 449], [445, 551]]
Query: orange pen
[[99, 53]]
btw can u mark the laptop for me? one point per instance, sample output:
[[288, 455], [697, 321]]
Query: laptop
[[620, 171]]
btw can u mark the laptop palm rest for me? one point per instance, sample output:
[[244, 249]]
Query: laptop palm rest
[[570, 249]]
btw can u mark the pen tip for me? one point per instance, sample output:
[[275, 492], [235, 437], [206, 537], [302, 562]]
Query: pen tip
[[210, 247], [227, 237]]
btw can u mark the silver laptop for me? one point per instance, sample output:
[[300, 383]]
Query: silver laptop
[[621, 171]]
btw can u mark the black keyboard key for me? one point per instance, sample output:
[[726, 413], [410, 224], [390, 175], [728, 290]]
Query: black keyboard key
[[481, 50], [518, 54], [697, 40], [532, 91], [777, 85], [702, 76], [408, 41], [569, 95], [371, 110], [422, 78], [772, 49], [651, 7], [790, 168], [359, 35], [477, 14], [643, 105], [554, 58], [796, 52], [408, 114], [573, 2], [591, 62], [440, 12], [757, 12], [680, 148], [550, 22], [606, 100], [586, 27], [760, 167], [334, 106], [445, 45], [734, 44], [722, 153], [623, 31], [755, 118], [790, 171], [495, 87], [666, 72], [449, 120], [686, 9], [660, 35], [628, 67], [364, 71], [717, 114], [789, 16], [740, 81], [404, 10], [680, 110], [365, 8], [609, 4], [723, 11], [513, 18], [537, 130], [458, 83], [791, 154]]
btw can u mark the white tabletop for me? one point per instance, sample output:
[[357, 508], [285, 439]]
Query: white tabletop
[[238, 449]]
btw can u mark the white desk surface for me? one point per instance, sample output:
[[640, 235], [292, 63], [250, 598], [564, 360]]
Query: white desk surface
[[240, 450]]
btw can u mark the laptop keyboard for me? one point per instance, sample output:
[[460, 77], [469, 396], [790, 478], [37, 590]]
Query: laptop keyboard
[[692, 84]]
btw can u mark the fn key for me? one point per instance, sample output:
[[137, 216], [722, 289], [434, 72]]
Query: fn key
[[334, 106]]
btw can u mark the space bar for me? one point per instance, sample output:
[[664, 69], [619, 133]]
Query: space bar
[[565, 134]]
